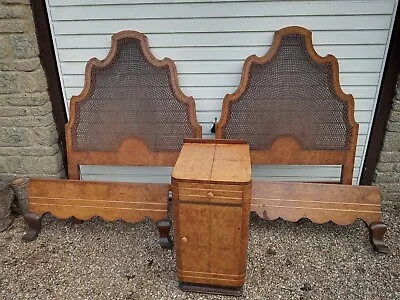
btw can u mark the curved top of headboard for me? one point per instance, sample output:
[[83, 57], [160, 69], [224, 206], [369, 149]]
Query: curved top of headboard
[[130, 95], [290, 91]]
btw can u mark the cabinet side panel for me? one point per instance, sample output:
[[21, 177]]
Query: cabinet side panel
[[245, 227]]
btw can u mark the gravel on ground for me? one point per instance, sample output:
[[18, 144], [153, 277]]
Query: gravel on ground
[[101, 260]]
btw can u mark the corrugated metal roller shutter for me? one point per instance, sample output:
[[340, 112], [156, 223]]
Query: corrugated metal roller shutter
[[209, 42]]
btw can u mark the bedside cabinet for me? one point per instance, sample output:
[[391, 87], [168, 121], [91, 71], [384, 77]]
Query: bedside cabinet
[[211, 188]]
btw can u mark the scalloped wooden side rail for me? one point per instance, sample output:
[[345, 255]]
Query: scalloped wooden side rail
[[321, 203], [131, 202]]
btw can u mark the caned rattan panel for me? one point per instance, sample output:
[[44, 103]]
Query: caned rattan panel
[[290, 107], [131, 110]]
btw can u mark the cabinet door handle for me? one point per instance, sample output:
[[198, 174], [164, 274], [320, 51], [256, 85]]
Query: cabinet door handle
[[184, 240], [210, 195]]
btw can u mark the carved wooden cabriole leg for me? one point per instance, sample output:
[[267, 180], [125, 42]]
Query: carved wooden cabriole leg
[[34, 223], [376, 232], [164, 226]]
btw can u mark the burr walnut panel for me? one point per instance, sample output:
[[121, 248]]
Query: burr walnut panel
[[321, 203], [83, 200], [109, 200], [211, 214]]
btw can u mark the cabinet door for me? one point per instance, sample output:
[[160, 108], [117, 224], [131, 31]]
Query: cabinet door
[[225, 231], [194, 234], [210, 238]]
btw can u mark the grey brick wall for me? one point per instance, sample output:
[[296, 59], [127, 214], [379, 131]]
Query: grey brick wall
[[387, 173], [28, 136]]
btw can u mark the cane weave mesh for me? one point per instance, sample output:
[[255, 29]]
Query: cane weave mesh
[[130, 97], [290, 95]]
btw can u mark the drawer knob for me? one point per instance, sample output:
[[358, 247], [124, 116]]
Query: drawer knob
[[210, 195], [184, 240]]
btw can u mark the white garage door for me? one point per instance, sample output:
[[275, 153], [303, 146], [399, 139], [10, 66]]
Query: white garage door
[[209, 42]]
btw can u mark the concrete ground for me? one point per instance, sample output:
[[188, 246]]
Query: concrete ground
[[99, 260]]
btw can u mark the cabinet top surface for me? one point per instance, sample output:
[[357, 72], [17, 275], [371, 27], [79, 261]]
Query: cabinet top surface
[[218, 161]]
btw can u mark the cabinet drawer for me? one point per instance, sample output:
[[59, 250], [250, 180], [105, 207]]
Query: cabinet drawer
[[210, 193], [213, 186]]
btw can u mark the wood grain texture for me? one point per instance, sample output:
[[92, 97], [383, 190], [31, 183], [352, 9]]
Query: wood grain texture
[[132, 151], [377, 231], [34, 222], [215, 161], [287, 149], [211, 217], [109, 200], [321, 203]]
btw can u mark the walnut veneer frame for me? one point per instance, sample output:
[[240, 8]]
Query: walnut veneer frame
[[292, 51], [131, 202], [133, 151], [321, 203], [287, 149], [131, 112]]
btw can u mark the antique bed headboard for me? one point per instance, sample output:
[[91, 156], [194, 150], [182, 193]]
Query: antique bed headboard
[[131, 110], [290, 107]]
